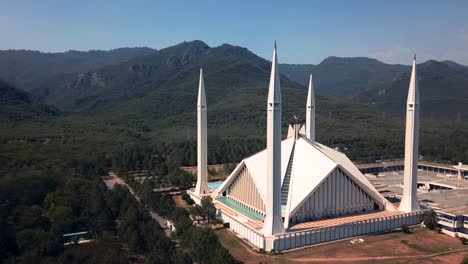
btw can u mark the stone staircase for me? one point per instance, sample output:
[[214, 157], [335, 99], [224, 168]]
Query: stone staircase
[[287, 179]]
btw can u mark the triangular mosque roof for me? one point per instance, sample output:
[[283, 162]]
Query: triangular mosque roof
[[312, 163]]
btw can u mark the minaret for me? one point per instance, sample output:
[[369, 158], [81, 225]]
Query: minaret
[[202, 172], [310, 112], [273, 223], [409, 202]]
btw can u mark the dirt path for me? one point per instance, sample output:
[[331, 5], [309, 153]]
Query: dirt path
[[114, 179]]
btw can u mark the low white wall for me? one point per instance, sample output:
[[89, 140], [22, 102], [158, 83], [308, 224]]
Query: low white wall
[[243, 231], [310, 237], [320, 235], [453, 234], [195, 198]]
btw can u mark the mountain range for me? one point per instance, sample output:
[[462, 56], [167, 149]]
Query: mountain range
[[384, 87], [26, 68], [151, 87]]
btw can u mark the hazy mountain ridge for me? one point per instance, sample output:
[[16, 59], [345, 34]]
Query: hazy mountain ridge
[[18, 105], [162, 83], [343, 77], [443, 92], [158, 92], [350, 77], [26, 69]]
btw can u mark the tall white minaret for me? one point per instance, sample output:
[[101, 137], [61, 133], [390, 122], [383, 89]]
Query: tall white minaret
[[202, 172], [409, 202], [310, 112], [273, 223]]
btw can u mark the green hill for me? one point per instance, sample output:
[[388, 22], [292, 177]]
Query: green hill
[[17, 105], [153, 99], [157, 93], [343, 77], [26, 69], [443, 92]]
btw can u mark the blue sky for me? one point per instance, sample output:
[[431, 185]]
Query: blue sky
[[306, 31]]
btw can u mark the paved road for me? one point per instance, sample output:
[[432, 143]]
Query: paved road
[[112, 179]]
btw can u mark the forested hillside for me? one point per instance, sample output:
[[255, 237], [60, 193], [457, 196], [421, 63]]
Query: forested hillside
[[26, 69], [443, 92], [17, 105], [344, 77]]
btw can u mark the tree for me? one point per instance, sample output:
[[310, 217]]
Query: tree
[[204, 247], [430, 220], [405, 229], [135, 242], [208, 209], [196, 212], [181, 220]]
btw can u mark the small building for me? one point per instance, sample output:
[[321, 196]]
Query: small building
[[78, 238], [453, 221]]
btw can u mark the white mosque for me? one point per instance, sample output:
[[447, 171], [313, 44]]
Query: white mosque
[[298, 192]]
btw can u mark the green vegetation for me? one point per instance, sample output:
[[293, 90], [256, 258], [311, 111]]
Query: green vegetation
[[443, 92], [205, 213], [28, 69], [406, 229], [430, 220], [137, 114], [463, 240], [17, 105], [39, 206], [194, 240], [187, 198], [344, 77]]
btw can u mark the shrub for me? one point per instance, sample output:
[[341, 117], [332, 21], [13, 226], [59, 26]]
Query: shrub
[[463, 240], [185, 196], [190, 201], [405, 229]]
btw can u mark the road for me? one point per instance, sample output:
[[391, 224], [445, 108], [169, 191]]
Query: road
[[114, 179]]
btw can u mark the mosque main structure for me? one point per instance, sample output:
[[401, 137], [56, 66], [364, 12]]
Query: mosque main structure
[[298, 192]]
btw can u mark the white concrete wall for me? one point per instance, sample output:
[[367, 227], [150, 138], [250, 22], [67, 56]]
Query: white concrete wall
[[243, 231], [325, 234], [243, 189], [320, 235], [336, 196], [194, 196]]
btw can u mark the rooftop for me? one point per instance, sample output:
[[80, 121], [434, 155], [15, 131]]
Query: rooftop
[[456, 197]]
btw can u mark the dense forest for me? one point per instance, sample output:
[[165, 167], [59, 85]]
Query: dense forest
[[47, 194]]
